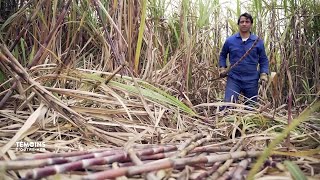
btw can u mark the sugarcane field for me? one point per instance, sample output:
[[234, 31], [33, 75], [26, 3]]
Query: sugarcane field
[[160, 89]]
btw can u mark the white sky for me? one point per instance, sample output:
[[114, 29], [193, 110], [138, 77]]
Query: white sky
[[231, 4]]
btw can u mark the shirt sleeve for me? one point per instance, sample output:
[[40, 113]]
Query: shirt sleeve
[[263, 59], [223, 55]]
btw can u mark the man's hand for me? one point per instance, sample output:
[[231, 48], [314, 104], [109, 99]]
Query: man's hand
[[263, 78], [222, 72]]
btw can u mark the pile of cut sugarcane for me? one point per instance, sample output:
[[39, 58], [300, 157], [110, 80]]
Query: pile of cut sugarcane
[[198, 157]]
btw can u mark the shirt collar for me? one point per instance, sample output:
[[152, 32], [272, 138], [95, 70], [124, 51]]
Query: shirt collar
[[252, 36]]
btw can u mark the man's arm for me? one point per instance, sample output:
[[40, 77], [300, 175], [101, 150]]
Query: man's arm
[[263, 59], [223, 55]]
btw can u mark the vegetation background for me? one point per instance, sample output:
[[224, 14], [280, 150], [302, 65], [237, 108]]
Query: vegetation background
[[171, 43], [135, 71]]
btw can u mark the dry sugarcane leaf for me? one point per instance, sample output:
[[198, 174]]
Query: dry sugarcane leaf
[[38, 114], [299, 153]]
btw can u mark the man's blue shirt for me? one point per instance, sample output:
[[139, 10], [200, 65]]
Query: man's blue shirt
[[247, 69]]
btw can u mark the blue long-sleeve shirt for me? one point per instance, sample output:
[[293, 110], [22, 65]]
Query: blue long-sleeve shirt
[[247, 69]]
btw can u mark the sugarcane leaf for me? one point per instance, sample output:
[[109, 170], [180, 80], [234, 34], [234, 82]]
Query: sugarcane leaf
[[298, 153], [141, 31], [294, 170]]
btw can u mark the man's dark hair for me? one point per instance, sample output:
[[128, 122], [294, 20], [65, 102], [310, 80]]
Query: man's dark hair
[[247, 15]]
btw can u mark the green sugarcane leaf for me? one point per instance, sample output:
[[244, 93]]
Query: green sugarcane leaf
[[294, 170]]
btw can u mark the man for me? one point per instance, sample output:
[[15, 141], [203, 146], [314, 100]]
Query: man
[[244, 77]]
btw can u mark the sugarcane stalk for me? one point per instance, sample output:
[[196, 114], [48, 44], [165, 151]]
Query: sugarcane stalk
[[158, 156], [41, 91], [40, 160], [211, 149], [209, 172], [221, 170], [137, 161], [41, 51], [73, 117], [18, 165], [170, 149], [216, 165], [8, 94], [115, 165], [186, 147], [61, 155], [27, 25], [189, 141], [15, 42], [99, 159], [185, 151], [228, 163], [169, 163], [57, 169], [105, 28], [51, 34], [289, 117], [228, 174], [238, 173]]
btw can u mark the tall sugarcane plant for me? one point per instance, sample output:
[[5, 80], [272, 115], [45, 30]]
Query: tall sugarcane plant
[[173, 31], [128, 71]]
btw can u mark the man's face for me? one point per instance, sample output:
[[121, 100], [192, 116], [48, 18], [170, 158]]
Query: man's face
[[244, 24]]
